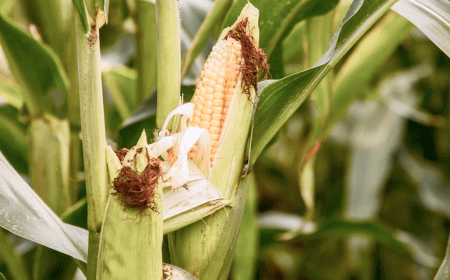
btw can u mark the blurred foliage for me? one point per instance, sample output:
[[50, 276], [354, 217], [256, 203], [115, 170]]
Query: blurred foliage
[[402, 194], [401, 202]]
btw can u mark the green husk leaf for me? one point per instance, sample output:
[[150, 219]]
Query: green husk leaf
[[205, 248], [246, 254], [131, 238], [194, 215]]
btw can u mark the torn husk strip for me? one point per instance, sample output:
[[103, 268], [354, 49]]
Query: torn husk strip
[[172, 272], [131, 238], [184, 205], [194, 246], [186, 218]]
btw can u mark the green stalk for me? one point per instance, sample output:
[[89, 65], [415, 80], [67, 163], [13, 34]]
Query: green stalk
[[146, 48], [169, 60], [93, 134], [216, 15]]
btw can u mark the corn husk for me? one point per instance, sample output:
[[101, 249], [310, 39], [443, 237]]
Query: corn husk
[[205, 248], [131, 239]]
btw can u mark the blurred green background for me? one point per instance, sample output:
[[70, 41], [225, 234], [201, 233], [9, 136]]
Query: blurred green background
[[368, 199]]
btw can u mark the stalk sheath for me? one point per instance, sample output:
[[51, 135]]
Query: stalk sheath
[[93, 134], [169, 58]]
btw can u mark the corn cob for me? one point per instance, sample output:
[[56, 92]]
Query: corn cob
[[215, 90]]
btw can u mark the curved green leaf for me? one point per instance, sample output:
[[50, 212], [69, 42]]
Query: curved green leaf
[[443, 272], [278, 18], [121, 83], [13, 139], [375, 230], [432, 17], [14, 263], [23, 213], [35, 67], [11, 93], [279, 100], [207, 28], [82, 12], [364, 62]]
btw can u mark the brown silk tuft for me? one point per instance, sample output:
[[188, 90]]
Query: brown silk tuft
[[255, 60], [138, 190], [121, 154]]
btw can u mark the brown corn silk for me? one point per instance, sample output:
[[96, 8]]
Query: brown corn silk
[[237, 53], [137, 189]]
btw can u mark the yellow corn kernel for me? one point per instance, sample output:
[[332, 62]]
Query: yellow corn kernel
[[215, 90]]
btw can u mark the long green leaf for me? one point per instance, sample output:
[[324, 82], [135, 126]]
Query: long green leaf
[[364, 62], [35, 67], [121, 83], [82, 12], [443, 272], [58, 264], [25, 214], [377, 231], [13, 139], [52, 17], [432, 17], [318, 33], [217, 12], [11, 93], [16, 266], [279, 100], [278, 19]]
